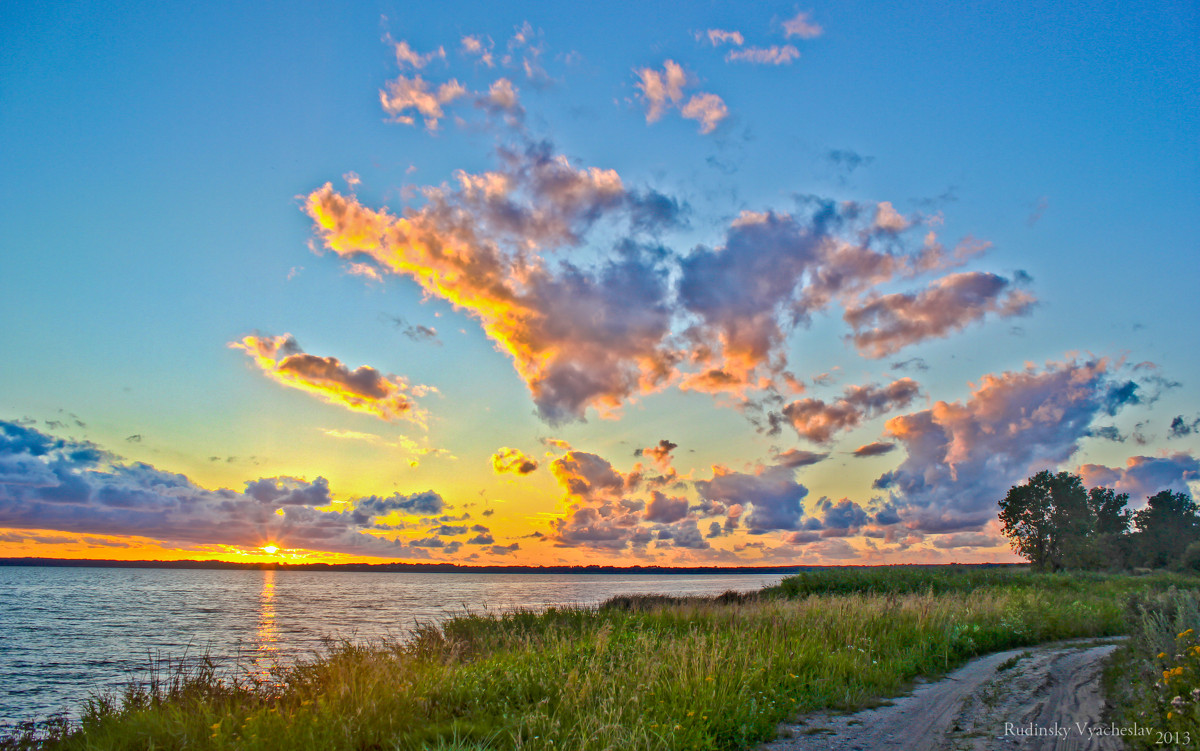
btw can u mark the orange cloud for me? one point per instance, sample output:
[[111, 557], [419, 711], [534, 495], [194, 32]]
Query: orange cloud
[[578, 338], [513, 460], [363, 389]]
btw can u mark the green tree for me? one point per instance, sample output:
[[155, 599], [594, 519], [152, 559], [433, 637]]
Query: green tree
[[1166, 527], [1049, 520], [1110, 536]]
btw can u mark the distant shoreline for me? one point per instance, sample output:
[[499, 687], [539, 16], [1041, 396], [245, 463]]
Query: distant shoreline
[[440, 568]]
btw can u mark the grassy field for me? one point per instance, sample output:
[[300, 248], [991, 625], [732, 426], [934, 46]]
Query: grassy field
[[636, 673]]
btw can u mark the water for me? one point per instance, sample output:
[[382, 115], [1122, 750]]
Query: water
[[68, 632]]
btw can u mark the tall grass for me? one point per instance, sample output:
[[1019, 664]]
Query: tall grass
[[1155, 680], [635, 673]]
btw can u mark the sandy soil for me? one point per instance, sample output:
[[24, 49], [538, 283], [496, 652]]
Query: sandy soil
[[1049, 699]]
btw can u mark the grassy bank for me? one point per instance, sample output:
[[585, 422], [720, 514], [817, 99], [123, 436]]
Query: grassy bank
[[637, 673]]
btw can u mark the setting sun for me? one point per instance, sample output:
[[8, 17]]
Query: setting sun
[[270, 549]]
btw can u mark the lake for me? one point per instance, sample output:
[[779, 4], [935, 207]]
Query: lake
[[69, 632]]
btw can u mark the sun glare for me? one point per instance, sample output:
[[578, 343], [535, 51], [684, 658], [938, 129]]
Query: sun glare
[[270, 549]]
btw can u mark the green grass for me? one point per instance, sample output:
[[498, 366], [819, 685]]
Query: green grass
[[637, 673]]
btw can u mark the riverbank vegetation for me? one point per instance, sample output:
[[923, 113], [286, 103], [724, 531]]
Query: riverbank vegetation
[[636, 673]]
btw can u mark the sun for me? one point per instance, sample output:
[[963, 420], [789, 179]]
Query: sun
[[270, 549]]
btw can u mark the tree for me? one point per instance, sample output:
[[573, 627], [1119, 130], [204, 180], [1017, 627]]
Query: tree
[[1050, 521], [1110, 536], [1166, 527]]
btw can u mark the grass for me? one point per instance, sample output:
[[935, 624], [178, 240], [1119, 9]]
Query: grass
[[636, 673], [1155, 680]]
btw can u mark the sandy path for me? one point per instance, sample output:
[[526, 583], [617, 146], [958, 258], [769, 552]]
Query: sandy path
[[1053, 690]]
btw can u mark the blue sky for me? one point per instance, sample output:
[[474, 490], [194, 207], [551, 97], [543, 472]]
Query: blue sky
[[160, 164]]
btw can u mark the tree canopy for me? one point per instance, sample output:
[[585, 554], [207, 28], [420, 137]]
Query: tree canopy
[[1055, 522]]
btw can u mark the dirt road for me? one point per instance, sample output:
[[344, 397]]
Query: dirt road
[[1044, 697]]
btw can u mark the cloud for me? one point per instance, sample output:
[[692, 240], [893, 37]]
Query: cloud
[[795, 458], [963, 456], [887, 219], [364, 389], [503, 95], [773, 55], [660, 454], [664, 91], [968, 540], [513, 460], [774, 271], [406, 56], [415, 332], [1181, 427], [799, 25], [847, 159], [884, 324], [774, 496], [48, 483], [661, 91], [878, 448], [403, 96], [916, 363], [477, 47], [819, 421], [1143, 476], [666, 509], [708, 109], [578, 337], [841, 518], [717, 37], [587, 477]]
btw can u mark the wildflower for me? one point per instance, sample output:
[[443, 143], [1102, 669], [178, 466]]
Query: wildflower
[[1162, 655], [1178, 702], [1184, 633], [1196, 694], [1170, 715], [678, 727]]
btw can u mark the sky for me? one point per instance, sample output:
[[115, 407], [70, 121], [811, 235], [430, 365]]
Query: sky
[[626, 283]]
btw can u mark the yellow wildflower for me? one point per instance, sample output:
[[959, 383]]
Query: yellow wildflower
[[1184, 633], [1162, 655]]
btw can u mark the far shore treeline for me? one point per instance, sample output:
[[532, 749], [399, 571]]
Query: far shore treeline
[[1056, 523]]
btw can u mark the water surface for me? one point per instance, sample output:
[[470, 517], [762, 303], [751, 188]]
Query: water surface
[[69, 632]]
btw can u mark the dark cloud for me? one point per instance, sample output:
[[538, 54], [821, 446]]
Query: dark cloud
[[841, 518], [1180, 427], [415, 332], [878, 448], [660, 454], [847, 159], [73, 486], [963, 456], [666, 509], [775, 498], [1108, 433], [795, 458], [916, 363]]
